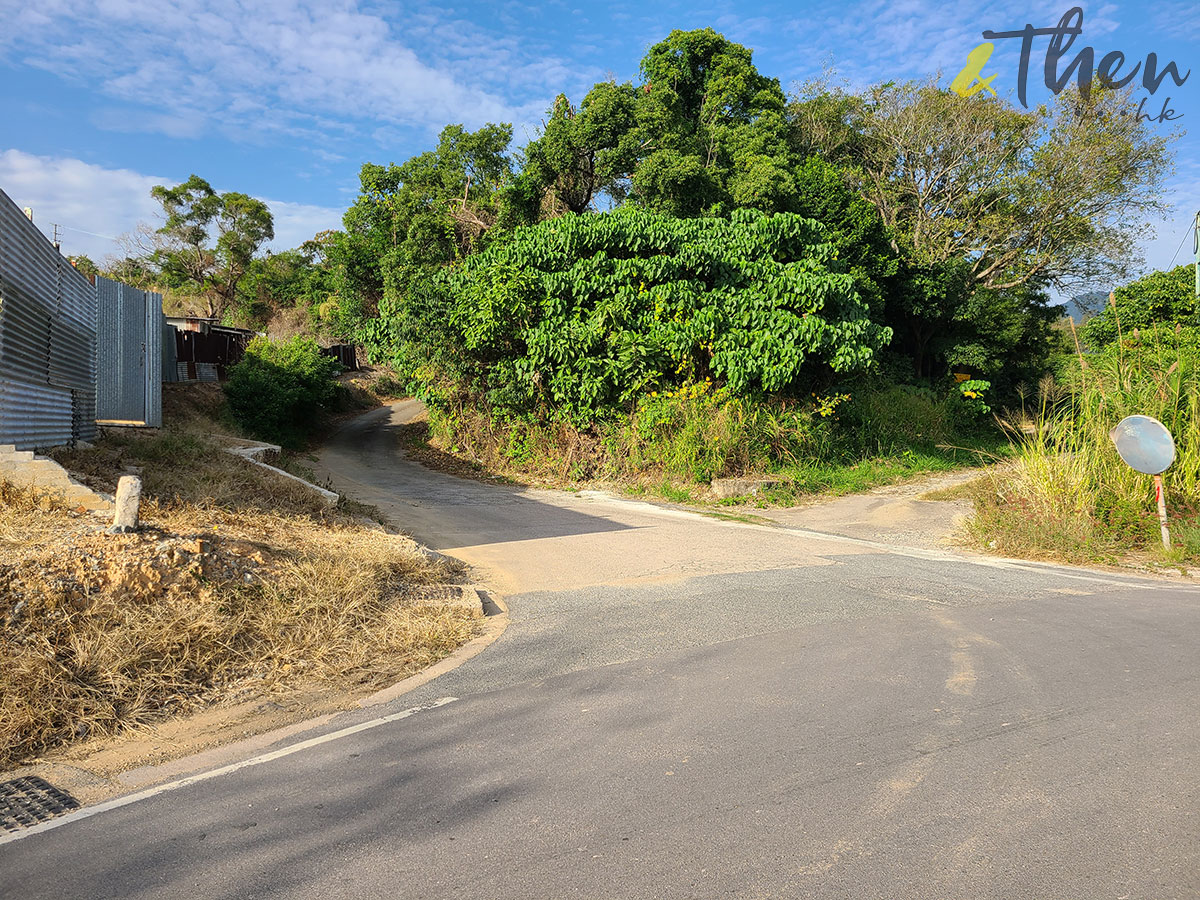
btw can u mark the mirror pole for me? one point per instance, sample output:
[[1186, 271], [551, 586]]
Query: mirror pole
[[1162, 511]]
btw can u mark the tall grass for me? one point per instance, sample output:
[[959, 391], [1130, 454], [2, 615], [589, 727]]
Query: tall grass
[[1068, 494]]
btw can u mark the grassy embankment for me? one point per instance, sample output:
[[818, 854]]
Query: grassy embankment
[[673, 445], [240, 584], [1068, 495]]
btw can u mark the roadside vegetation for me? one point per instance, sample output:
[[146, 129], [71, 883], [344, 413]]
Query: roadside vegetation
[[1067, 494], [240, 584], [284, 391], [694, 275]]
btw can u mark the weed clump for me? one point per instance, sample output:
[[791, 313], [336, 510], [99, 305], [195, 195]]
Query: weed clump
[[1068, 495]]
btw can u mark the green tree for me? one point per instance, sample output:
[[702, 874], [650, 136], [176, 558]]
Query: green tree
[[411, 218], [1004, 335], [854, 227], [291, 279], [979, 196], [583, 153], [209, 240], [712, 130], [1165, 298], [1052, 196]]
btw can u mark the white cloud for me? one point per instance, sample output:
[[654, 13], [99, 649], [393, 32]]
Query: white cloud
[[295, 223], [877, 40], [94, 204], [301, 67], [79, 196]]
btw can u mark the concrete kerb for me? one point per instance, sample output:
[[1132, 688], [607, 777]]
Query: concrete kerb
[[494, 625], [253, 451]]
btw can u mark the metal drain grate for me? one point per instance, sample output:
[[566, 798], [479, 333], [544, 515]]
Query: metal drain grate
[[27, 801]]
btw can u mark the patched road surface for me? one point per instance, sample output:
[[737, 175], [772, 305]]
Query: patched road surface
[[685, 707]]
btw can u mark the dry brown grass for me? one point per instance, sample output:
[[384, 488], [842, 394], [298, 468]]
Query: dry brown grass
[[240, 583]]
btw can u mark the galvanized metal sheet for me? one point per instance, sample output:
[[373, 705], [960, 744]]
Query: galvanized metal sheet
[[36, 415], [73, 330], [154, 359], [47, 339], [129, 338], [169, 362]]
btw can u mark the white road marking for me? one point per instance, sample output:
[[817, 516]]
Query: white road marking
[[89, 811]]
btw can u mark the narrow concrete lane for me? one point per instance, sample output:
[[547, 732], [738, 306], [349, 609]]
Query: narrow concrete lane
[[687, 708]]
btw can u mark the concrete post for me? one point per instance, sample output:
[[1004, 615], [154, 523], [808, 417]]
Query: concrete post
[[129, 496]]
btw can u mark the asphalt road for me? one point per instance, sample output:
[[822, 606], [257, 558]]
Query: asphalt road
[[690, 708]]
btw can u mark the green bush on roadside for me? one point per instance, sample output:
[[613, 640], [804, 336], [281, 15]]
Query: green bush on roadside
[[578, 317], [1165, 298], [673, 440], [1069, 495], [280, 390]]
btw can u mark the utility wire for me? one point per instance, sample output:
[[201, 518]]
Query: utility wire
[[1180, 247], [107, 237]]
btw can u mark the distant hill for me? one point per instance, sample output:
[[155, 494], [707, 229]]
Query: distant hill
[[1082, 307]]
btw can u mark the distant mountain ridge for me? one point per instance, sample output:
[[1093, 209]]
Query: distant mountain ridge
[[1082, 307]]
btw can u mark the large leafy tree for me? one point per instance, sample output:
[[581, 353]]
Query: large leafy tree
[[704, 133], [853, 226], [986, 206], [1051, 196], [421, 214], [209, 240], [712, 131]]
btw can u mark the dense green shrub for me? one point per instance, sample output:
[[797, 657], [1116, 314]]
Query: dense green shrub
[[582, 315], [280, 389], [1160, 298]]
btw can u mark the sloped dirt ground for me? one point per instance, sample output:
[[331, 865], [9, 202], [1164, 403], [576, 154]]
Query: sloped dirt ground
[[927, 512], [244, 603]]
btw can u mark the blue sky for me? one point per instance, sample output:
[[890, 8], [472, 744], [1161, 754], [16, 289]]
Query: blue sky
[[285, 99]]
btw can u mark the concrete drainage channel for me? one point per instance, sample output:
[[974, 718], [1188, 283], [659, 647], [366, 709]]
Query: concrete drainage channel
[[254, 451]]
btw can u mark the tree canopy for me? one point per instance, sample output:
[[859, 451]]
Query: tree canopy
[[945, 221], [209, 239]]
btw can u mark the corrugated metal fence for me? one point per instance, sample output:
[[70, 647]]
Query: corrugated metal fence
[[130, 358], [47, 339], [206, 351]]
